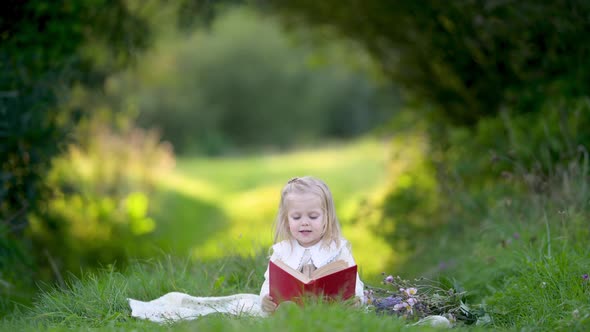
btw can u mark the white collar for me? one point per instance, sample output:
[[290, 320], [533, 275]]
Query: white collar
[[291, 252]]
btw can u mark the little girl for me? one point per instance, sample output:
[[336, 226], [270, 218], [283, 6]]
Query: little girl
[[307, 237], [307, 233]]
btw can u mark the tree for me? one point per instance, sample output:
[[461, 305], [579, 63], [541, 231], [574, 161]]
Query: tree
[[42, 51], [467, 58]]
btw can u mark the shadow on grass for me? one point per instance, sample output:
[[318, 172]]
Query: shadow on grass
[[185, 221]]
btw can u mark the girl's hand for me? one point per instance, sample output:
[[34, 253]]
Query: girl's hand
[[268, 304]]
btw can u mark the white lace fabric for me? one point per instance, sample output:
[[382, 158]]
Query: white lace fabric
[[306, 266], [179, 306]]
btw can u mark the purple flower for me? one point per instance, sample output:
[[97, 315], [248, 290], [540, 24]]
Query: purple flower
[[387, 303], [585, 276], [516, 235], [389, 279], [403, 306], [410, 291]]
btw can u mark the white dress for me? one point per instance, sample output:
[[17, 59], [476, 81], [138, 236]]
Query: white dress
[[178, 306], [291, 253]]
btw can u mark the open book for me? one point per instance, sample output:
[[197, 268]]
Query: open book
[[334, 280]]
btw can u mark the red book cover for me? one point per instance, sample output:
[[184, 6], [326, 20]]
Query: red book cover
[[334, 281]]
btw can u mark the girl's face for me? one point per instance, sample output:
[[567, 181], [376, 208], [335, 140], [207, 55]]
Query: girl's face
[[306, 218]]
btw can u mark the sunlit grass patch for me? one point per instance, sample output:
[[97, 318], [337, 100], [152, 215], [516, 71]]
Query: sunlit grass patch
[[251, 215], [246, 191], [191, 186]]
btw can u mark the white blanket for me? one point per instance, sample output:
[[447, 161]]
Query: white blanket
[[178, 306]]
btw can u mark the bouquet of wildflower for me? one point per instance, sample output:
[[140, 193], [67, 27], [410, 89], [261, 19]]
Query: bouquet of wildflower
[[418, 299]]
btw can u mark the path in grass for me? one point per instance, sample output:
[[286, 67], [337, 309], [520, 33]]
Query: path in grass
[[216, 206]]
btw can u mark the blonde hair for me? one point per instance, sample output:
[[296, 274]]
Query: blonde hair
[[308, 184]]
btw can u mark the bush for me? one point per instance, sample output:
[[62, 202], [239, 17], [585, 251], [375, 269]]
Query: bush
[[467, 59], [451, 185], [102, 199], [16, 276], [243, 84]]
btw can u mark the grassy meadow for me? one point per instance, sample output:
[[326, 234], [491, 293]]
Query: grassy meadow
[[523, 266], [211, 207]]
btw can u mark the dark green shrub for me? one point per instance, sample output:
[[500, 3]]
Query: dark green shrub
[[468, 59], [16, 271]]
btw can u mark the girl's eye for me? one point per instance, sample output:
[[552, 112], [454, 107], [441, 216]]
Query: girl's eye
[[296, 217], [314, 217]]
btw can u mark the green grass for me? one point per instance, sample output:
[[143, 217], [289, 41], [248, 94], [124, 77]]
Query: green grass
[[524, 260], [97, 301], [184, 221], [521, 263], [209, 207]]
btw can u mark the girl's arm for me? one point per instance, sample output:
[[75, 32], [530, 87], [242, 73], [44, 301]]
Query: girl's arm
[[264, 290], [267, 303], [276, 254]]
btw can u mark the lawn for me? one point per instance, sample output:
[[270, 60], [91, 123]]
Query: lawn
[[521, 266], [211, 207]]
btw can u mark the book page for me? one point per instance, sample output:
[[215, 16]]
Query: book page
[[329, 269], [325, 270], [298, 275]]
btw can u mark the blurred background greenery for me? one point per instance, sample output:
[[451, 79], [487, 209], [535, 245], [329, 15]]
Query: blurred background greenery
[[130, 128]]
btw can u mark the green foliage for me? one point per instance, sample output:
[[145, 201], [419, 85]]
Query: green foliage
[[242, 83], [511, 154], [38, 60], [411, 208], [528, 256], [467, 58], [16, 274], [515, 232], [520, 143], [454, 181], [102, 200]]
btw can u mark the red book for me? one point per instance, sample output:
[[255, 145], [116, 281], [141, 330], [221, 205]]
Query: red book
[[336, 280]]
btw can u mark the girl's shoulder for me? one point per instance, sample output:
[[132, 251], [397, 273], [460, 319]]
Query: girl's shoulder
[[283, 251], [282, 246], [344, 243], [339, 244]]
